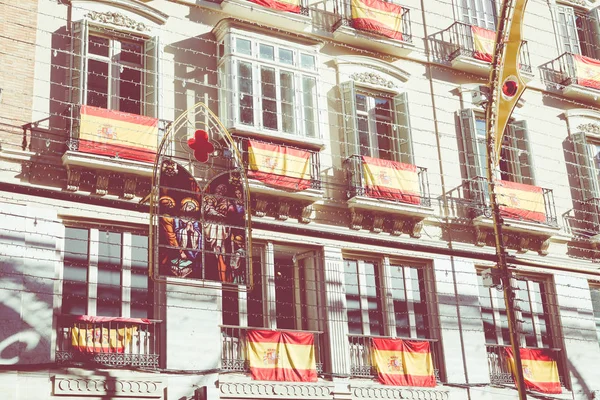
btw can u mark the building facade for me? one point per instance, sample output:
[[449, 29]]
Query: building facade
[[337, 257]]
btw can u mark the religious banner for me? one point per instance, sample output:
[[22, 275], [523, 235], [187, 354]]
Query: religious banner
[[278, 165], [587, 71], [391, 180], [117, 134], [282, 356], [280, 5], [540, 370], [521, 201], [483, 43], [103, 334], [402, 362], [377, 16]]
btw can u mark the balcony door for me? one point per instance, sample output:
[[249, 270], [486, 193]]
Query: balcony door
[[480, 13]]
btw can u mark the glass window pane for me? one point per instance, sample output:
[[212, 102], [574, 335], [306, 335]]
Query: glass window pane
[[286, 56], [243, 46], [131, 52], [284, 293], [361, 102], [267, 52], [97, 84], [286, 81], [109, 274], [130, 91], [269, 102], [309, 105], [141, 297], [353, 308], [245, 93], [98, 45], [487, 312], [307, 61], [384, 140], [255, 301], [75, 271], [400, 304], [373, 299], [364, 141]]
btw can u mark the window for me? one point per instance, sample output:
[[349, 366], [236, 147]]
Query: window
[[587, 154], [577, 30], [533, 300], [595, 292], [268, 86], [515, 161], [410, 308], [106, 273], [363, 298], [480, 13], [114, 70], [376, 124]]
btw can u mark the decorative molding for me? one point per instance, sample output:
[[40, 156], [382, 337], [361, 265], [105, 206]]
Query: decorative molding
[[377, 223], [115, 18], [374, 392], [129, 187], [480, 236], [284, 210], [306, 214], [356, 220], [73, 178], [275, 390], [101, 184], [397, 226], [416, 226], [590, 128], [108, 386], [260, 207], [373, 79]]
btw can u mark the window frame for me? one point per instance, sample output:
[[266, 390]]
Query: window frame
[[478, 13], [577, 30], [595, 287], [93, 267]]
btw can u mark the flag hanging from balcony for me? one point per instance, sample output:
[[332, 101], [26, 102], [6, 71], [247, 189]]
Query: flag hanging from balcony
[[282, 356], [402, 362], [280, 5], [377, 16], [540, 369], [391, 180], [588, 71], [118, 134], [103, 334], [521, 201], [279, 165], [483, 43]]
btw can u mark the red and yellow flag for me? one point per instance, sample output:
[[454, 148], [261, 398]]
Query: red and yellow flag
[[377, 16], [282, 356], [391, 180], [540, 369], [279, 165], [91, 339], [402, 362], [115, 133], [588, 71], [280, 5], [483, 43], [521, 201]]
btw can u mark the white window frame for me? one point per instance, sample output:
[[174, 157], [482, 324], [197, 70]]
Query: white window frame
[[229, 60], [93, 263], [481, 13], [568, 18]]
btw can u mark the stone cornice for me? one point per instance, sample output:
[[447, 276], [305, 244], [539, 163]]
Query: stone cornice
[[282, 390], [106, 386]]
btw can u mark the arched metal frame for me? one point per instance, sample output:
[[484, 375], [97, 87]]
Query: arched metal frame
[[224, 162]]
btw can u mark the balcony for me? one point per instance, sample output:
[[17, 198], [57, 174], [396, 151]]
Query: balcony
[[111, 342], [500, 371], [261, 13], [456, 46], [405, 210], [348, 31], [288, 193], [573, 76], [361, 356], [529, 213], [234, 356]]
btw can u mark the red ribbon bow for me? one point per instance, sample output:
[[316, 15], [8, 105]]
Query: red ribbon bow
[[201, 146]]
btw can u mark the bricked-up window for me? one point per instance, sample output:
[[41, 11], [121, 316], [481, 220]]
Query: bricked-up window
[[106, 273], [114, 70]]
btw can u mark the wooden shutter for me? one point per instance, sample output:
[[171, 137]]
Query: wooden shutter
[[79, 43], [469, 139], [585, 166], [567, 30], [519, 159], [593, 25], [403, 147], [348, 92], [152, 77]]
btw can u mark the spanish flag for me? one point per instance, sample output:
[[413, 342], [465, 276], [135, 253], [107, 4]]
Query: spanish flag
[[521, 201], [91, 339], [540, 370], [377, 16], [279, 165], [391, 180], [118, 134], [282, 356], [280, 5], [402, 362], [588, 71], [483, 43]]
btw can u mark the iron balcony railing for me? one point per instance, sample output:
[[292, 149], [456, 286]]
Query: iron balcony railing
[[457, 40], [234, 351], [361, 356], [140, 349], [315, 159], [346, 20], [499, 366], [478, 193], [303, 5], [591, 215], [357, 185], [562, 71]]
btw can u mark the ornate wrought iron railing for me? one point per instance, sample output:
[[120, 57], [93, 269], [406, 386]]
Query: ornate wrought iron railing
[[357, 185], [457, 40], [315, 159], [361, 356], [346, 20], [477, 189], [500, 370], [140, 344], [563, 71], [234, 351]]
